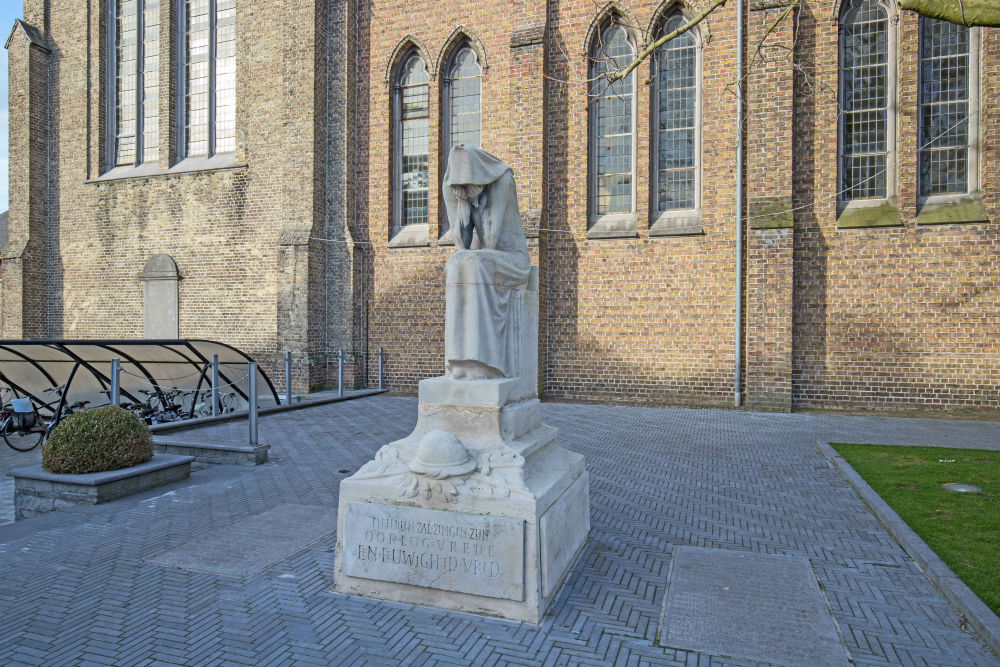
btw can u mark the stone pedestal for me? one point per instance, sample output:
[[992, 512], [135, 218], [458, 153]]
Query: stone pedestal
[[479, 509]]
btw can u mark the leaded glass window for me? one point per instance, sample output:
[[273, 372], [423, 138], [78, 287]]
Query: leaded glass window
[[865, 101], [136, 57], [462, 105], [151, 80], [463, 92], [197, 89], [944, 107], [209, 77], [676, 117], [411, 141], [612, 123], [225, 76]]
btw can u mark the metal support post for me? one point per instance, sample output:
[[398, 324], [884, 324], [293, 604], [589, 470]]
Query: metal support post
[[252, 398], [215, 384], [340, 372], [115, 393], [380, 368], [288, 378]]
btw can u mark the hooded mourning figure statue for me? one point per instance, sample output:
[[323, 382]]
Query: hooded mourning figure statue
[[491, 260]]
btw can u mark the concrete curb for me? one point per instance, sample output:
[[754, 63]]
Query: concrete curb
[[978, 617], [204, 452], [203, 421]]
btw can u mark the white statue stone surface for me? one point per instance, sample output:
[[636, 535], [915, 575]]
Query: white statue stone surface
[[490, 263], [479, 509]]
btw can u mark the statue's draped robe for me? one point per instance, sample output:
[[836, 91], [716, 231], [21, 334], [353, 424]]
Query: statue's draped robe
[[480, 280]]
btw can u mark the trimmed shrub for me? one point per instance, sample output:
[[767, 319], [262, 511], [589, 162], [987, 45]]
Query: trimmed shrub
[[105, 438]]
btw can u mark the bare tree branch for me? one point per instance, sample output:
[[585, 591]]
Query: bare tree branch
[[774, 26], [652, 46], [963, 12]]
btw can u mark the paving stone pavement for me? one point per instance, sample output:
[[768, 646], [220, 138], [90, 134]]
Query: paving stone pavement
[[76, 589]]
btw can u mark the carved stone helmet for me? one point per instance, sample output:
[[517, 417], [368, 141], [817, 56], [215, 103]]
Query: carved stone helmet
[[440, 454]]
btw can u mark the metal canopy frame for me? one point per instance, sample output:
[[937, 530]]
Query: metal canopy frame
[[29, 367]]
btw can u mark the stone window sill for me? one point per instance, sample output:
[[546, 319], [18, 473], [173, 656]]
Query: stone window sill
[[220, 162], [619, 226], [952, 210], [412, 236], [446, 239], [869, 213], [677, 223]]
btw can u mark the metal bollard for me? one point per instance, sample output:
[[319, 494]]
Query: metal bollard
[[215, 385], [340, 372], [252, 398], [115, 393], [288, 378], [380, 368]]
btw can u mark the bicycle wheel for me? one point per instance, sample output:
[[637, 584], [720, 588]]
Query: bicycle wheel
[[22, 440]]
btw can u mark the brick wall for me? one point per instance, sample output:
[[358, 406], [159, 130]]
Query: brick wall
[[895, 318], [250, 276], [406, 293], [635, 320], [855, 319], [290, 251]]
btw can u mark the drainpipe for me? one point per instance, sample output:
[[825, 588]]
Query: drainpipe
[[737, 374]]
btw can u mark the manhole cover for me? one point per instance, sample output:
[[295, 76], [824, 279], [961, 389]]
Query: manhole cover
[[956, 487]]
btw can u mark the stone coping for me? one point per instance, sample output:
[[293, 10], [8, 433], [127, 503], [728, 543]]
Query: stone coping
[[222, 453], [977, 615], [158, 462], [242, 449]]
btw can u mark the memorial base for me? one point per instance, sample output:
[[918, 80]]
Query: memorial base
[[492, 533]]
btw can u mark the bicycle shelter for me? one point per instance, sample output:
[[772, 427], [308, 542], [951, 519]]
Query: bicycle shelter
[[83, 369]]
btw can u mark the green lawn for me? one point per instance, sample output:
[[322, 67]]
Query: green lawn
[[962, 528]]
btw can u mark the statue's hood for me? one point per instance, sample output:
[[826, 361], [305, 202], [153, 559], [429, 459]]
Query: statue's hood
[[468, 165]]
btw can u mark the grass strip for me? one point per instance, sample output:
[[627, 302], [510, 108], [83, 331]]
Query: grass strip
[[962, 528]]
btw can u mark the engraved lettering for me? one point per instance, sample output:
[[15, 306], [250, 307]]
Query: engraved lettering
[[435, 548]]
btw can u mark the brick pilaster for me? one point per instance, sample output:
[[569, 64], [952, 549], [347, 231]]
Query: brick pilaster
[[769, 210]]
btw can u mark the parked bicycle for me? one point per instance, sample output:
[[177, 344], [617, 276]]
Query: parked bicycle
[[162, 405], [23, 427], [203, 402], [158, 406]]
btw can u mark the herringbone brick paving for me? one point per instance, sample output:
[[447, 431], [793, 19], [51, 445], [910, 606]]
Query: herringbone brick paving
[[77, 590]]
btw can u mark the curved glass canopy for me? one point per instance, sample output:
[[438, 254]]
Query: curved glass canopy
[[83, 367]]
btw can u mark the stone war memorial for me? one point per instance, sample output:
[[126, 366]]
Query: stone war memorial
[[479, 509]]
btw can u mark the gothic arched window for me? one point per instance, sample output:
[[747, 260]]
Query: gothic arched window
[[461, 106], [462, 97], [948, 86], [410, 139], [867, 92], [208, 77], [135, 93], [676, 121], [612, 125]]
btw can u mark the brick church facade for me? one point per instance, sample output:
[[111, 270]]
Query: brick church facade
[[287, 158]]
